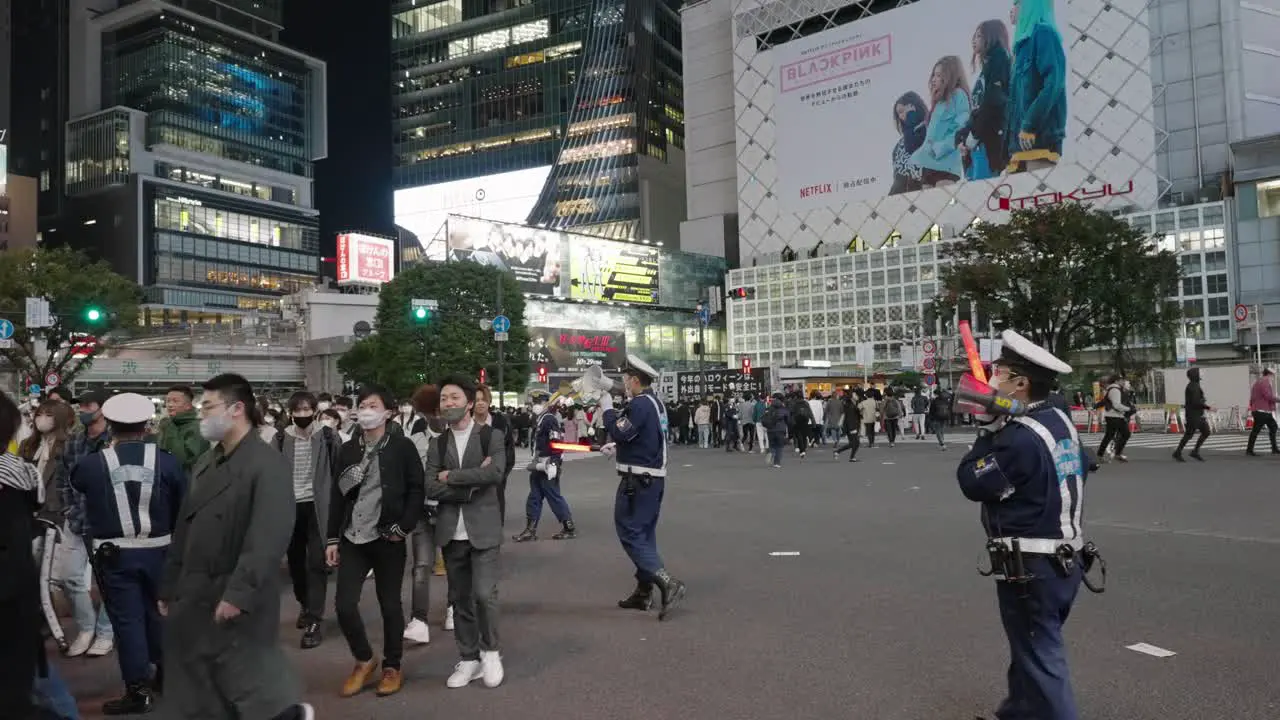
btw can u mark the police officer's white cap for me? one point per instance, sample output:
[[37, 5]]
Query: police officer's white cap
[[1013, 343], [636, 366], [128, 409]]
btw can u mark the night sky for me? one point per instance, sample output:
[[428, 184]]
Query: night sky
[[352, 186]]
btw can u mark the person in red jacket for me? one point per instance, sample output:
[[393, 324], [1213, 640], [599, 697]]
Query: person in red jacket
[[1262, 400]]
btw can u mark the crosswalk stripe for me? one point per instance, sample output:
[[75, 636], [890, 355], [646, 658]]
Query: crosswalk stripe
[[1232, 441]]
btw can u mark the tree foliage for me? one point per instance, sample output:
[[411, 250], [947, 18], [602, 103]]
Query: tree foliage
[[72, 284], [403, 354], [1068, 278]]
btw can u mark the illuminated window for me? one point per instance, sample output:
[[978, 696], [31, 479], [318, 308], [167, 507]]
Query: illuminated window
[[494, 40], [530, 31], [598, 150], [466, 148], [1269, 198], [423, 19], [607, 123]]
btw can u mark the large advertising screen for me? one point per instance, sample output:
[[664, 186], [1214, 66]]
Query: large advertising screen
[[572, 351], [691, 386], [531, 254], [502, 197], [925, 96], [606, 270], [365, 260]]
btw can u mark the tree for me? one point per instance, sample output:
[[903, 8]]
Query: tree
[[1068, 278], [85, 299], [406, 351]]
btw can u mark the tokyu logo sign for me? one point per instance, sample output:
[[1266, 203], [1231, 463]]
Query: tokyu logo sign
[[1002, 197]]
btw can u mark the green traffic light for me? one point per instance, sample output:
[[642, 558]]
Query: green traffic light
[[420, 313], [93, 315]]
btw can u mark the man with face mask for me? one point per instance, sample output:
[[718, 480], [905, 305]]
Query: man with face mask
[[640, 435], [544, 474], [1028, 472], [221, 588], [376, 501], [312, 451]]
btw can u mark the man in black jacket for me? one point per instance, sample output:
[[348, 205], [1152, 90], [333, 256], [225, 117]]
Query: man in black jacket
[[1195, 408], [376, 501]]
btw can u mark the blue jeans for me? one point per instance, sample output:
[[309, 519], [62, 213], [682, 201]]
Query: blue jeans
[[73, 575], [776, 443], [53, 697], [704, 435]]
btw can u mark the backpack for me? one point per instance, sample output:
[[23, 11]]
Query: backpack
[[770, 418], [442, 444], [892, 409]]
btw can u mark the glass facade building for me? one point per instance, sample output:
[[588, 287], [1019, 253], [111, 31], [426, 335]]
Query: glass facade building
[[591, 87], [210, 91], [824, 308]]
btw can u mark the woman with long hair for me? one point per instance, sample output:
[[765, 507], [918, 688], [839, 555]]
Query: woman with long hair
[[981, 141], [1037, 123], [910, 117], [52, 424], [949, 107]]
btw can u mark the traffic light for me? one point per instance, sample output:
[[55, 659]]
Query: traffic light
[[542, 373], [746, 365], [421, 314], [482, 376], [422, 310], [93, 314], [743, 293]]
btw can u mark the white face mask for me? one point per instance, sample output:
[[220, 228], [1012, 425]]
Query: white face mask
[[371, 419], [44, 423], [537, 409], [215, 427]]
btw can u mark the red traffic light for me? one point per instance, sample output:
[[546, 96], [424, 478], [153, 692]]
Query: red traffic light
[[542, 373], [746, 365], [482, 376], [742, 293]]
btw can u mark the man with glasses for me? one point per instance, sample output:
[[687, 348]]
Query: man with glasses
[[221, 586]]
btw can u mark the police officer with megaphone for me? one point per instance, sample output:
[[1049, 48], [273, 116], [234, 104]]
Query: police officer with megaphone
[[1027, 468]]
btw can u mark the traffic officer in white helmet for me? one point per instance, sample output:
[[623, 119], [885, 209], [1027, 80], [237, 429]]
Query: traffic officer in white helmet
[[640, 434], [1028, 468], [132, 492]]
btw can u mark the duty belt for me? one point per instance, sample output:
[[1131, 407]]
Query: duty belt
[[1007, 556], [630, 480]]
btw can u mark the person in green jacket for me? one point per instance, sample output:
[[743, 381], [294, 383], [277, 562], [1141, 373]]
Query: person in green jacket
[[179, 433]]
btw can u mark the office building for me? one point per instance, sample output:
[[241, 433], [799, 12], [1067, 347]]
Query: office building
[[564, 114], [183, 150], [1173, 111]]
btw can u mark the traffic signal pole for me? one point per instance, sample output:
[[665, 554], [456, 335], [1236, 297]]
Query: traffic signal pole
[[502, 403]]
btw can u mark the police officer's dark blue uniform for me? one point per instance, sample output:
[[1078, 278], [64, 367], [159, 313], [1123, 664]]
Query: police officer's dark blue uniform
[[132, 494], [1029, 475], [640, 436], [545, 473]]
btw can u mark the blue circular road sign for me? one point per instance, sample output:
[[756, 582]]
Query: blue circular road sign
[[6, 329], [34, 389], [502, 324], [930, 380]]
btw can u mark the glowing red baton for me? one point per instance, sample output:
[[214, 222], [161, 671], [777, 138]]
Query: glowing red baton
[[570, 447], [971, 350]]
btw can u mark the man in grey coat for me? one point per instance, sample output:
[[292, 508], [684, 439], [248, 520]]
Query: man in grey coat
[[221, 588], [464, 470]]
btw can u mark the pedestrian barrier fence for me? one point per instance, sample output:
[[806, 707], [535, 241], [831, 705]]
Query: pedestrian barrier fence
[[1166, 419]]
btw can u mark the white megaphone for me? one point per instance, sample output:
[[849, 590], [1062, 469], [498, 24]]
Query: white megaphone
[[593, 384]]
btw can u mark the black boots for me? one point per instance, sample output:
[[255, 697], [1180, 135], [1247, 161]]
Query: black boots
[[137, 700], [569, 532], [311, 635], [530, 532], [673, 592], [640, 599]]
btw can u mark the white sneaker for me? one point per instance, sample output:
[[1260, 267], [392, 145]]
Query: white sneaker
[[465, 672], [80, 645], [448, 618], [417, 631], [491, 668], [308, 712], [101, 646]]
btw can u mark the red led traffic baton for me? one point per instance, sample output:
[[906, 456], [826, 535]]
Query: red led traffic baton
[[570, 447], [971, 350]]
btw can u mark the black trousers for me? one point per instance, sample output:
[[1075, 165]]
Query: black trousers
[[1118, 430], [748, 436], [871, 433], [386, 560], [305, 556], [1195, 424], [1261, 420], [800, 435], [891, 429], [855, 441]]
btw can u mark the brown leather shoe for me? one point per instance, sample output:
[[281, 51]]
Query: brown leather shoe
[[391, 682], [359, 678]]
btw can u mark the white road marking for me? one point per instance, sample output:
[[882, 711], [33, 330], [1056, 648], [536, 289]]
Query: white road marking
[[888, 463], [914, 487], [784, 554], [1151, 650], [687, 465]]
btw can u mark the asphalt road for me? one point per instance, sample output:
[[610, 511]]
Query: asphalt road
[[881, 615]]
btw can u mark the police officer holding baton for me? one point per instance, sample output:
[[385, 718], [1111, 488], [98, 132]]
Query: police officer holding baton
[[640, 436], [1027, 468]]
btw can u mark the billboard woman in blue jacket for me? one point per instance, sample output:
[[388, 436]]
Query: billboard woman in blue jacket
[[938, 158], [982, 141], [1038, 94]]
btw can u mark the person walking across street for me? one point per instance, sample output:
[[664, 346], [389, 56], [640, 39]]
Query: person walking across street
[[747, 418], [868, 412], [1028, 473], [891, 413], [940, 414], [919, 411], [851, 424], [376, 501], [544, 474], [312, 451], [762, 433], [132, 496], [221, 594], [1262, 398], [702, 419], [639, 432], [775, 421], [1194, 407], [1115, 414], [833, 416], [465, 466]]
